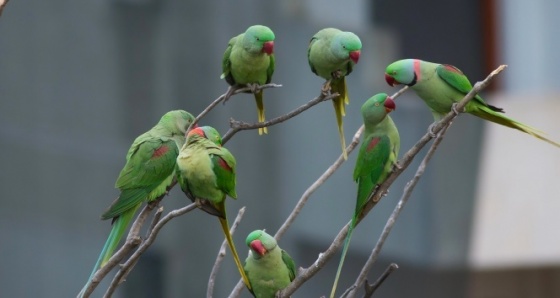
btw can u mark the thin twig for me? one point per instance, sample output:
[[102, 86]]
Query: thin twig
[[129, 264], [370, 289], [222, 254], [221, 97], [396, 212], [306, 274], [320, 181], [236, 126], [132, 241]]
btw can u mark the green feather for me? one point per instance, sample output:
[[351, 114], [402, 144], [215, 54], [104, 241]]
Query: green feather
[[328, 55], [206, 171], [378, 153], [149, 170], [245, 62]]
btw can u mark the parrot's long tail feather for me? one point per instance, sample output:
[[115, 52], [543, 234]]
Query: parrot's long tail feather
[[260, 111], [225, 228], [343, 256], [488, 114], [117, 231], [339, 103]]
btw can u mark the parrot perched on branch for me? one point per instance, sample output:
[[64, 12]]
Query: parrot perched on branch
[[206, 170], [249, 60], [443, 85], [332, 54], [149, 170], [268, 267], [378, 153]]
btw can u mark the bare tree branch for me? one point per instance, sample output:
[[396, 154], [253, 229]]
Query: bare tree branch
[[221, 254], [380, 191], [132, 241], [236, 126], [396, 212], [370, 289], [129, 264], [229, 92]]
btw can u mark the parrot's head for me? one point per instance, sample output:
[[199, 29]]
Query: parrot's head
[[207, 132], [402, 72], [377, 107], [347, 45], [177, 121], [259, 38], [260, 243]]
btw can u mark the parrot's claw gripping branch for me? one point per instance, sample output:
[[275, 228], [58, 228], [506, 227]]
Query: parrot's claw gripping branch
[[326, 88], [455, 110]]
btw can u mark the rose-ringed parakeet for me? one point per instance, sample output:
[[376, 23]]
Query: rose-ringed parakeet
[[149, 170], [378, 153], [249, 60], [268, 267], [332, 54], [206, 170], [443, 85]]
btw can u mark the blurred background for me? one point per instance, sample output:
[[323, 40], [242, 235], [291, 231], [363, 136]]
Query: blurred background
[[79, 80]]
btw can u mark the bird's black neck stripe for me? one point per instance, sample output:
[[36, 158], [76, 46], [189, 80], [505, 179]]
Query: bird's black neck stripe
[[413, 80]]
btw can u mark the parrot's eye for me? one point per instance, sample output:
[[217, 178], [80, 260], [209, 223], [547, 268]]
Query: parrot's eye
[[258, 39], [376, 104], [394, 72]]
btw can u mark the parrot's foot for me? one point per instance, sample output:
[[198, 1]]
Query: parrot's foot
[[454, 109], [326, 89], [229, 93], [397, 166], [431, 130], [336, 74], [254, 87]]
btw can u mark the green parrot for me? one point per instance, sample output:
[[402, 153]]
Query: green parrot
[[149, 170], [206, 170], [268, 267], [249, 60], [378, 153], [332, 54], [443, 85]]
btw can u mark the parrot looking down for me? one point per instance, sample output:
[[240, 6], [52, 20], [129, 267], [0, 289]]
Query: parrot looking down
[[332, 54], [249, 60], [149, 170], [443, 85], [268, 267], [206, 170], [378, 153]]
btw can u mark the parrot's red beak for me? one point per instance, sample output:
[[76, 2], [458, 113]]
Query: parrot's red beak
[[257, 246], [268, 47], [196, 131], [389, 104], [355, 56], [390, 80]]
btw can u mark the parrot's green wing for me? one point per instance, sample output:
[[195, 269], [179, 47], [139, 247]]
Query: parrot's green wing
[[456, 79], [270, 69], [311, 42], [290, 264], [226, 63], [224, 168], [149, 164], [372, 158]]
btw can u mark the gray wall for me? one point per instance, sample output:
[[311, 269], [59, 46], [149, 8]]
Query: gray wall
[[79, 80]]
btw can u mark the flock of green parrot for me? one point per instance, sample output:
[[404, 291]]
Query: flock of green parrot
[[205, 170]]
